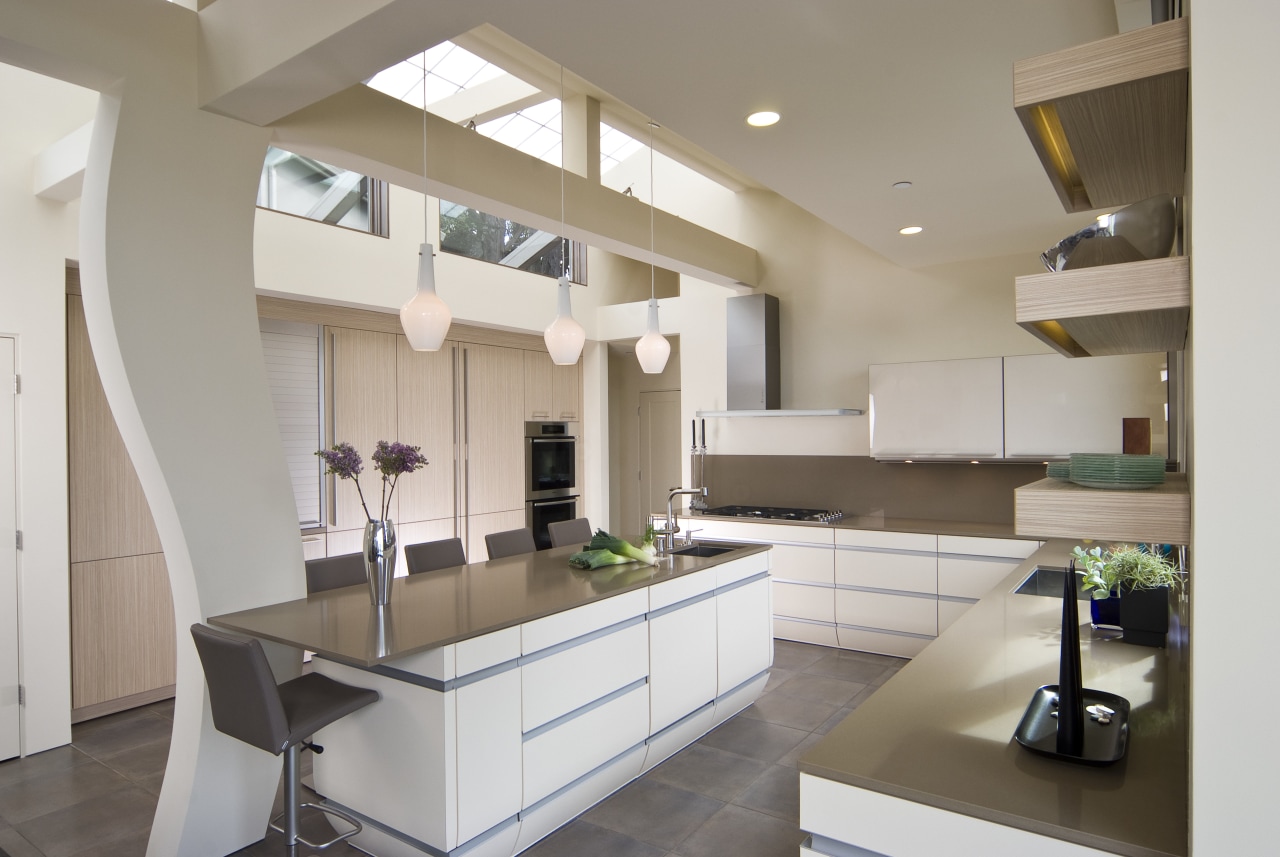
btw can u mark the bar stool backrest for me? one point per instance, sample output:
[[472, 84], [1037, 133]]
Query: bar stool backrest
[[510, 543], [242, 690], [574, 531], [433, 556], [334, 572]]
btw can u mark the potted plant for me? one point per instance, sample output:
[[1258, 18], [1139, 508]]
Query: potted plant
[[1136, 579]]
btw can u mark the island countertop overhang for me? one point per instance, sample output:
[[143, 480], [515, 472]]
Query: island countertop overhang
[[444, 607]]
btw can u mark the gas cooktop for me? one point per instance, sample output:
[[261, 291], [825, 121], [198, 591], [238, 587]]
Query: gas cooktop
[[779, 513]]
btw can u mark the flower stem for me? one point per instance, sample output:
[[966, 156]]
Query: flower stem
[[363, 504]]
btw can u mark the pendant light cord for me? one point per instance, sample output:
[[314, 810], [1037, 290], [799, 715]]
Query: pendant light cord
[[564, 248], [652, 248], [426, 201]]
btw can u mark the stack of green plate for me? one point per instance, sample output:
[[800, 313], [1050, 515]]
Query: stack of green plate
[[1116, 471]]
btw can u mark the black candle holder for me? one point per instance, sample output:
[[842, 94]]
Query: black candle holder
[[1055, 724]]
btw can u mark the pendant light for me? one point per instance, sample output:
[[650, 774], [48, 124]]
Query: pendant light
[[564, 336], [424, 317], [653, 349]]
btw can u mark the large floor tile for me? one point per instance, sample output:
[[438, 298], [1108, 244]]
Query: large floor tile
[[832, 691], [788, 655], [806, 714], [141, 762], [42, 795], [15, 845], [707, 771], [119, 732], [743, 833], [583, 839], [754, 739], [40, 764], [99, 821], [654, 813], [842, 665], [776, 792], [130, 846], [792, 758]]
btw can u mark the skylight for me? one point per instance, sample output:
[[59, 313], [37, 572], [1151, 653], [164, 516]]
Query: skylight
[[449, 68]]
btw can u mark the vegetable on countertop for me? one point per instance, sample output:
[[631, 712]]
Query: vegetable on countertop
[[603, 541], [597, 559]]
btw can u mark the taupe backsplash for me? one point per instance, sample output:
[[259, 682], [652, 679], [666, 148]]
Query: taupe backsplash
[[859, 485]]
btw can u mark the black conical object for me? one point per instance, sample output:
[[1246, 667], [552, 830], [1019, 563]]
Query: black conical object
[[1070, 693]]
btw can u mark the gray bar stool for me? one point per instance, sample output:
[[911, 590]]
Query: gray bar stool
[[510, 543], [433, 556], [334, 572], [248, 705], [575, 531]]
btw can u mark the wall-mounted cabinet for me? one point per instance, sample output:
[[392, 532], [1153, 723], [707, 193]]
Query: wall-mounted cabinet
[[1109, 119], [550, 391], [937, 409]]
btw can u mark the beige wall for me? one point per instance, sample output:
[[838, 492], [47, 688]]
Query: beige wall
[[626, 383]]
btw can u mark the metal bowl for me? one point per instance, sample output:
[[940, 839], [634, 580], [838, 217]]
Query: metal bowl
[[1144, 230]]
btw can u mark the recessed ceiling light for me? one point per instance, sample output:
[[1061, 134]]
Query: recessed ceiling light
[[901, 185], [763, 119], [910, 230]]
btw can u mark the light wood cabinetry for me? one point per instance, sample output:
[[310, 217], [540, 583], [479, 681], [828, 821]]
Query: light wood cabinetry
[[426, 389], [122, 628], [493, 428], [1132, 308], [551, 392], [1108, 119], [364, 412], [1054, 508]]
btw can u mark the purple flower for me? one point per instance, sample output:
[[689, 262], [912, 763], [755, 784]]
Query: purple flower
[[392, 459], [342, 460]]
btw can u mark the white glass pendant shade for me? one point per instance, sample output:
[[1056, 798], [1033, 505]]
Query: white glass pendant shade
[[653, 349], [424, 317], [564, 336]]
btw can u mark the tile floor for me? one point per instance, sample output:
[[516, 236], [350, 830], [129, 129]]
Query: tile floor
[[735, 791]]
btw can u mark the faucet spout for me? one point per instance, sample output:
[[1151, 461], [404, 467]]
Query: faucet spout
[[667, 534]]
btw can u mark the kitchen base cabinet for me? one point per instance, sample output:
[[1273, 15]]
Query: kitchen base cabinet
[[888, 611], [487, 745], [819, 633], [896, 645]]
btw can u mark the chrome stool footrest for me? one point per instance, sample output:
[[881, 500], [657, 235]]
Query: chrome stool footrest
[[320, 846]]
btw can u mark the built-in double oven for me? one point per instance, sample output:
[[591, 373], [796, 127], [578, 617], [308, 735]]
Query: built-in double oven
[[550, 476]]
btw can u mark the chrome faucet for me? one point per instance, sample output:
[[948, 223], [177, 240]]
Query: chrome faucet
[[666, 536]]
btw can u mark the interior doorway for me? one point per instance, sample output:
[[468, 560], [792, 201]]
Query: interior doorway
[[10, 720], [659, 435]]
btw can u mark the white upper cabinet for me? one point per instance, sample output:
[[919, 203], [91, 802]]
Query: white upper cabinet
[[1054, 406], [938, 409]]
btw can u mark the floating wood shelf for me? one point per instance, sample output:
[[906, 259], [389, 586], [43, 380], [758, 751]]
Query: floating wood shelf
[[1109, 119], [1054, 508], [1131, 308]]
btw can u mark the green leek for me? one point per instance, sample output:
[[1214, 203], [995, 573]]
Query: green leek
[[603, 541], [596, 559]]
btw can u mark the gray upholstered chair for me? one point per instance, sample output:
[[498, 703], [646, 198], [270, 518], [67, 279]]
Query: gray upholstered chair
[[510, 543], [248, 705], [575, 531], [433, 556], [334, 572]]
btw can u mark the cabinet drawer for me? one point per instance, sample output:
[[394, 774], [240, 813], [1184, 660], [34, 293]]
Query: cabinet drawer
[[804, 602], [674, 591], [908, 613], [555, 757], [897, 645], [790, 562], [971, 577], [950, 611], [559, 627], [563, 682], [927, 542], [906, 572], [804, 632], [745, 531], [974, 546]]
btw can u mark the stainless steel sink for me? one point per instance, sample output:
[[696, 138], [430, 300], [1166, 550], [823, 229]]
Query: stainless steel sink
[[1048, 583], [701, 550]]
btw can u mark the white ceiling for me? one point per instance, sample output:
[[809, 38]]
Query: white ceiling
[[871, 92]]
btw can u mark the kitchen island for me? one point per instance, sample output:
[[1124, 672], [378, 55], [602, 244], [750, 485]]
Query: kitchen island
[[518, 692], [928, 764]]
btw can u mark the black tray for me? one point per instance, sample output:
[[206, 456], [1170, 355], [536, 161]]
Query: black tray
[[1103, 744]]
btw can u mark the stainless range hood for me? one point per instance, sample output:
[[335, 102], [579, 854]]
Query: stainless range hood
[[753, 368]]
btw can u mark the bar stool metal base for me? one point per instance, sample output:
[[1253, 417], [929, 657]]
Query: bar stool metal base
[[292, 781]]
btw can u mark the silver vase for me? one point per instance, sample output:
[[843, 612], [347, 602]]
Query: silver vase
[[380, 559]]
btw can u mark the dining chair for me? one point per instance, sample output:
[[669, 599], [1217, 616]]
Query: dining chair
[[433, 556], [574, 531], [334, 572], [510, 543]]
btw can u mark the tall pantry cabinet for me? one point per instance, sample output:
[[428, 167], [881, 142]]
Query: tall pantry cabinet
[[122, 629]]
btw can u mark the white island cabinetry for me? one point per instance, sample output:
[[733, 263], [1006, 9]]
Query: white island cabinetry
[[484, 746]]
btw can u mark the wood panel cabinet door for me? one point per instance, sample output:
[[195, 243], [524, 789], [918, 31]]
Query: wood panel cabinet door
[[539, 386], [426, 418], [565, 384], [364, 412], [493, 428], [109, 515]]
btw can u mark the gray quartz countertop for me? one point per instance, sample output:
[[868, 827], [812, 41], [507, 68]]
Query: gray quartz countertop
[[451, 605], [941, 731]]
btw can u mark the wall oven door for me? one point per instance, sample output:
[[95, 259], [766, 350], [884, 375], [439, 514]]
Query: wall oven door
[[550, 460], [540, 513]]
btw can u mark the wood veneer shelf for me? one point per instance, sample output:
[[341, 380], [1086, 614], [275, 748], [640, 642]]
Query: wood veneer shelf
[[1054, 508], [1109, 118], [1131, 308]]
